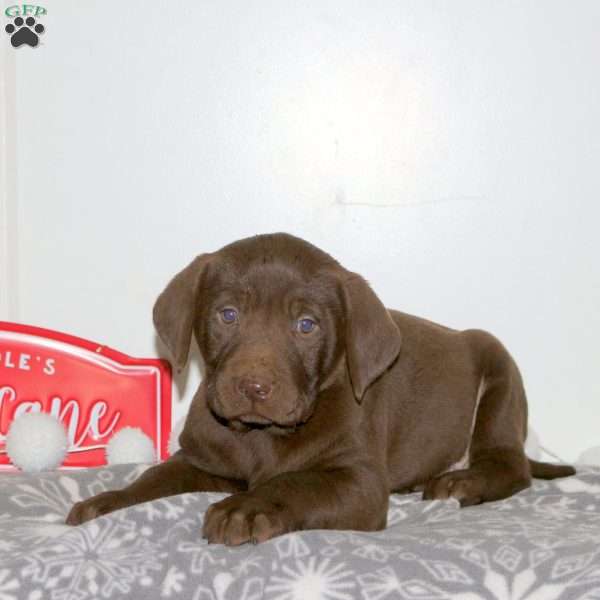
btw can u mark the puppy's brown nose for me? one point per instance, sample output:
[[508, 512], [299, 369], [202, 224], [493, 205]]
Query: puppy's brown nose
[[254, 388]]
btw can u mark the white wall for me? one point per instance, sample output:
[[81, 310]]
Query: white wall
[[447, 151], [8, 196]]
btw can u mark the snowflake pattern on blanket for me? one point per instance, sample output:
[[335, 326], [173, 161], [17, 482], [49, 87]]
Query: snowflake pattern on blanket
[[542, 544]]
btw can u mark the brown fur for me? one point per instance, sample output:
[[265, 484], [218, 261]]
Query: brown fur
[[315, 429]]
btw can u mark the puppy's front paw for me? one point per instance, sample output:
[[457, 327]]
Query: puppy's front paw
[[96, 506], [244, 518]]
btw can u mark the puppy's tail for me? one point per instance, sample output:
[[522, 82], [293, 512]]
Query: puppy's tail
[[542, 470]]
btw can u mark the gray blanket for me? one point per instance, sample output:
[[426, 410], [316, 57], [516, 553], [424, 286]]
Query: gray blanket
[[543, 543]]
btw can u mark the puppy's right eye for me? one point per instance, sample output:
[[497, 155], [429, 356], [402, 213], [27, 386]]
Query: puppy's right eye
[[229, 315], [305, 325]]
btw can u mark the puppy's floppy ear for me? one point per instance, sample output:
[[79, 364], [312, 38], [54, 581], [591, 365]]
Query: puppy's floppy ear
[[175, 309], [372, 338]]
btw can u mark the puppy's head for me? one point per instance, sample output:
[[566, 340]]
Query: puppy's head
[[274, 317]]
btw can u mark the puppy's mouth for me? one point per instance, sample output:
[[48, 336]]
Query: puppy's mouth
[[252, 416], [253, 421]]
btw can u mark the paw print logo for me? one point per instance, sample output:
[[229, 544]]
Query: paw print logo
[[24, 32]]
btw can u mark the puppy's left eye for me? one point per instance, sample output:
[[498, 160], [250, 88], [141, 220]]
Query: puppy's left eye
[[305, 325], [229, 315]]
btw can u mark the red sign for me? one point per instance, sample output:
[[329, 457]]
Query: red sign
[[94, 390]]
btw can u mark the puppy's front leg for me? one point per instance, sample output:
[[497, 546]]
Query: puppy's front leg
[[175, 476], [344, 498]]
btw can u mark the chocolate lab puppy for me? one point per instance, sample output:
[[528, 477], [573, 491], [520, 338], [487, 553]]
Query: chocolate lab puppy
[[318, 402]]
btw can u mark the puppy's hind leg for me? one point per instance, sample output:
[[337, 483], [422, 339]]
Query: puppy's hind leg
[[497, 466]]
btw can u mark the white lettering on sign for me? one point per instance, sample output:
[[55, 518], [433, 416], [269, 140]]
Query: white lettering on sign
[[6, 393], [25, 407], [22, 361], [8, 363], [68, 413]]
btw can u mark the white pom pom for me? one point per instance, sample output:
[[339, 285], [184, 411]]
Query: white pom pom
[[130, 445], [175, 433], [532, 445], [591, 456], [36, 442]]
